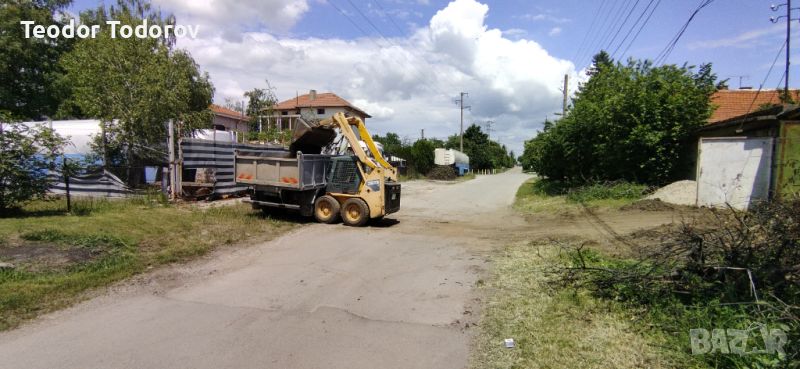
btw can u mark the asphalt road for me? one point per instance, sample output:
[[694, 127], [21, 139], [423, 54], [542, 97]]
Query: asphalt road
[[397, 295]]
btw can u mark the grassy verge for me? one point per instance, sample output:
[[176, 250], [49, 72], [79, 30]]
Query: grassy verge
[[553, 326], [58, 257], [542, 195]]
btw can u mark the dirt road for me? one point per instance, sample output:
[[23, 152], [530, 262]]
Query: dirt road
[[397, 295]]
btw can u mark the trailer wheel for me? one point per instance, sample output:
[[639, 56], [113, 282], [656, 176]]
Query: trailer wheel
[[355, 212], [326, 209]]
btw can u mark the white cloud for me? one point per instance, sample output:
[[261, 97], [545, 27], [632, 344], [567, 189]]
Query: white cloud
[[408, 83], [555, 31], [543, 17], [748, 39], [231, 17]]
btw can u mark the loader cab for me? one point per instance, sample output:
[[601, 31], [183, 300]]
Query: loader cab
[[344, 176]]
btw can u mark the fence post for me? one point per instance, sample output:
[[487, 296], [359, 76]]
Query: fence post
[[64, 168], [171, 148]]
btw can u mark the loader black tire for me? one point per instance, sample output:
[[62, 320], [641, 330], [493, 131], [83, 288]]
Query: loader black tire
[[326, 209], [355, 212]]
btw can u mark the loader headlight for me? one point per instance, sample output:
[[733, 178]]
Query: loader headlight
[[374, 185]]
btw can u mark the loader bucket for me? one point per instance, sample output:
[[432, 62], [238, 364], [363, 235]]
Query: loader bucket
[[309, 137]]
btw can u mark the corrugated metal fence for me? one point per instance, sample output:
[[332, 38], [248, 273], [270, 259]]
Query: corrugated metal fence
[[98, 183], [199, 153]]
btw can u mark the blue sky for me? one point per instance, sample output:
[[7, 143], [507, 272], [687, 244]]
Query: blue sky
[[407, 81]]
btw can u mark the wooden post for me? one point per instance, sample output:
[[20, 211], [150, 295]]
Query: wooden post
[[66, 183], [171, 146]]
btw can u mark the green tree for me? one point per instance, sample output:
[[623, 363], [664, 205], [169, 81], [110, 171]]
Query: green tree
[[135, 85], [29, 68], [483, 153], [391, 143], [421, 156], [260, 102], [632, 122], [26, 155]]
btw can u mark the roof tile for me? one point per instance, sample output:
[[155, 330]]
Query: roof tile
[[323, 100], [733, 103]]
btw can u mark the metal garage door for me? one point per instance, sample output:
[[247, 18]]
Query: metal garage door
[[734, 170]]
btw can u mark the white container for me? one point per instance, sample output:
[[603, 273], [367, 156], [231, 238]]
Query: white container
[[449, 157]]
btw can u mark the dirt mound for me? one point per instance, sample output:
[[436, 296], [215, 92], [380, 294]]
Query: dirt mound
[[678, 193], [649, 205], [442, 173]]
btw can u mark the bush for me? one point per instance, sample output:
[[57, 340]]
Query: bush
[[27, 154], [629, 122]]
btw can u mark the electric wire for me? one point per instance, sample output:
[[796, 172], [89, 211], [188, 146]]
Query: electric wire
[[664, 54], [636, 36], [633, 26]]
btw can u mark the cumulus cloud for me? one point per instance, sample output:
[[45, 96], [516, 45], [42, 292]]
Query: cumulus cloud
[[555, 31], [405, 83]]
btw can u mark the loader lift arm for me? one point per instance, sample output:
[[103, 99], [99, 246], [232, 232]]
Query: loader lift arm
[[345, 125]]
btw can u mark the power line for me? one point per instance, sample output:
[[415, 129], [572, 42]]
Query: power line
[[614, 22], [633, 26], [664, 54], [622, 25], [592, 45], [391, 19], [647, 20], [411, 62], [761, 86], [589, 31]]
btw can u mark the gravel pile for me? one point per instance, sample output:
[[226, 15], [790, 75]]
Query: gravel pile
[[678, 193]]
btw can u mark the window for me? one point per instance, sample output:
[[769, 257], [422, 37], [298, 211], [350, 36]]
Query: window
[[320, 111], [284, 113]]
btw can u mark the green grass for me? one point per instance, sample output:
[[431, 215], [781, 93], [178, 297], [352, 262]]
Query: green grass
[[122, 238], [553, 326], [542, 195]]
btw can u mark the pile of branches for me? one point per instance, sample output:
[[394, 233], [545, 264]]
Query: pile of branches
[[736, 266], [442, 173], [734, 255]]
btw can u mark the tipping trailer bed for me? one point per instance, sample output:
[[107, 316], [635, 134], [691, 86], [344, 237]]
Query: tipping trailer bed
[[282, 180]]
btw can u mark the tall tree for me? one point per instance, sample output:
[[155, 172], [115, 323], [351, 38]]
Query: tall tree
[[135, 85], [630, 121], [29, 67], [260, 102]]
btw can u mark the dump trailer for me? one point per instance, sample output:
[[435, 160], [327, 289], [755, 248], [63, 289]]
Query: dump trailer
[[354, 187]]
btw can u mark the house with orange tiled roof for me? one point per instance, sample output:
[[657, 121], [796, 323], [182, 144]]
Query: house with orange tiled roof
[[313, 105], [229, 120], [733, 103]]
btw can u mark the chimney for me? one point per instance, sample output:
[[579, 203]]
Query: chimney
[[312, 95]]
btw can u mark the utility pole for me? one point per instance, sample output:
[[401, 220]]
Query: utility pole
[[422, 133], [460, 102], [489, 128], [566, 93], [788, 42], [789, 20]]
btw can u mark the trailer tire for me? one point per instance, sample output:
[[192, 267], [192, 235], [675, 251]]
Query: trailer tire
[[355, 212], [326, 209]]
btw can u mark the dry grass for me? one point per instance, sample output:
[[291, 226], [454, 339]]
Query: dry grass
[[553, 327]]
